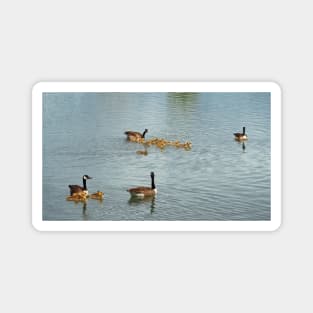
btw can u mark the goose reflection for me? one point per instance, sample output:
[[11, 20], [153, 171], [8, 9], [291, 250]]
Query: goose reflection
[[84, 209], [79, 200], [242, 144], [142, 201]]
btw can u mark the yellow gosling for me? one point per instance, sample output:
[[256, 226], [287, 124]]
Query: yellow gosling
[[140, 140], [97, 196], [161, 143], [77, 197]]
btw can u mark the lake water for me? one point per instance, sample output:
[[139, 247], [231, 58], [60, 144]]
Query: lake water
[[218, 179]]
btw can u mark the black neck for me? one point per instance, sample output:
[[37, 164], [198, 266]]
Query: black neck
[[85, 185], [143, 134], [244, 130], [152, 182]]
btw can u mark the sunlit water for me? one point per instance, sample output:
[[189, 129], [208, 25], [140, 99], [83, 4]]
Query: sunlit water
[[218, 179]]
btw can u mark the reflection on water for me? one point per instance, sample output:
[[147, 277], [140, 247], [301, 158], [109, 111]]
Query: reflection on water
[[85, 209], [243, 146], [143, 152], [184, 99], [215, 180], [150, 201]]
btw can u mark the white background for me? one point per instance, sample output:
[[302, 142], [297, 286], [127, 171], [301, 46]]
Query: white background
[[160, 40]]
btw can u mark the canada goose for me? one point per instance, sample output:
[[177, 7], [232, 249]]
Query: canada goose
[[132, 136], [77, 197], [78, 189], [97, 195], [241, 136], [141, 192]]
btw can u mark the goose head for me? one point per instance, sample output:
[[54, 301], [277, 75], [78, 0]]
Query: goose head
[[85, 177]]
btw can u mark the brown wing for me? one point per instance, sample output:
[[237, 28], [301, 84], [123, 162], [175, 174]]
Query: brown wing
[[141, 190], [238, 134], [133, 134], [75, 189]]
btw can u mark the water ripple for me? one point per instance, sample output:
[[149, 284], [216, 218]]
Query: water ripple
[[218, 179]]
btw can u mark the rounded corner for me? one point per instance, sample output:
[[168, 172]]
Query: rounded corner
[[276, 226], [37, 87], [36, 226], [276, 87]]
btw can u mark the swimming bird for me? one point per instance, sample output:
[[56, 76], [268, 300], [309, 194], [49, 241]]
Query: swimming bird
[[77, 197], [241, 136], [79, 189], [142, 192], [132, 136], [97, 195]]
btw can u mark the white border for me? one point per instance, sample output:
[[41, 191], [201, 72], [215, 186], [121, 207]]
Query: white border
[[43, 87]]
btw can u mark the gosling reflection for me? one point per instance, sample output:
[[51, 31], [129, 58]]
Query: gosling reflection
[[143, 152], [78, 198], [142, 201]]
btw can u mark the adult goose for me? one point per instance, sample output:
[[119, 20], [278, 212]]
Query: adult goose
[[141, 192], [79, 189], [241, 136], [131, 135]]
